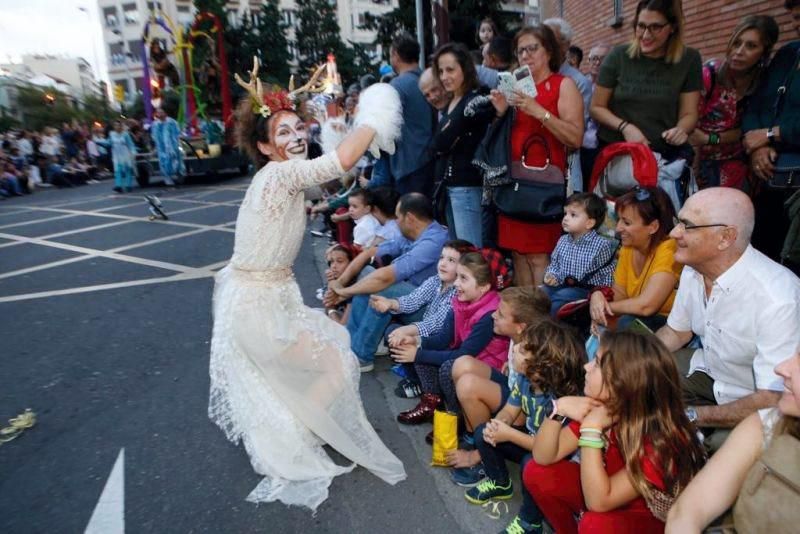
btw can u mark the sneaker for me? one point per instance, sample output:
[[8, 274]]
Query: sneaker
[[365, 366], [518, 526], [408, 389], [317, 233], [468, 477], [321, 294], [488, 490], [400, 370], [468, 440]]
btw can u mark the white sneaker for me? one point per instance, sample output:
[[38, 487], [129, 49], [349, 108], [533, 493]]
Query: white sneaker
[[321, 294], [365, 367]]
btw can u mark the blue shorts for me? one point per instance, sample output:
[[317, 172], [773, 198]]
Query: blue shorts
[[501, 380]]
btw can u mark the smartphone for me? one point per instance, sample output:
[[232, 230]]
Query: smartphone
[[523, 81], [505, 83], [638, 326]]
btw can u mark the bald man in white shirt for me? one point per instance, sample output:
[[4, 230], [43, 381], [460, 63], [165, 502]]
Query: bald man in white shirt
[[744, 307]]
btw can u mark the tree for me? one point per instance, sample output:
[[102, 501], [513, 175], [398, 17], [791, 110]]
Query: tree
[[44, 108], [465, 15], [317, 35]]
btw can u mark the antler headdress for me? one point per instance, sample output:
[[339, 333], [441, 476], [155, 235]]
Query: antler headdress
[[268, 102]]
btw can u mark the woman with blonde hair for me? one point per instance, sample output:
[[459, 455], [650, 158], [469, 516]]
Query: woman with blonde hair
[[727, 87], [648, 90]]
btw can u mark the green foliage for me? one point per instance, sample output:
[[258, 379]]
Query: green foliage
[[465, 15], [7, 122], [317, 35], [36, 111]]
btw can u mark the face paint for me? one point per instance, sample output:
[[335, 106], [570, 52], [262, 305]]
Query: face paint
[[288, 136]]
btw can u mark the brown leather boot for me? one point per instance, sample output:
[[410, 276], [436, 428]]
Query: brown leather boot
[[422, 412]]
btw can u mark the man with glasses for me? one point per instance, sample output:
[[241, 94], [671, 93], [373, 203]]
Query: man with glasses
[[590, 148], [743, 307]]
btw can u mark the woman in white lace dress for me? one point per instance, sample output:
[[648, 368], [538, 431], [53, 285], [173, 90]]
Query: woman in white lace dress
[[283, 379]]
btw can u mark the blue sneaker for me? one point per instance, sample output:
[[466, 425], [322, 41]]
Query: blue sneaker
[[467, 477], [518, 526], [399, 370], [488, 490]]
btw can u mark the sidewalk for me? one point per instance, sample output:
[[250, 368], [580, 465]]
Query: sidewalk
[[471, 518]]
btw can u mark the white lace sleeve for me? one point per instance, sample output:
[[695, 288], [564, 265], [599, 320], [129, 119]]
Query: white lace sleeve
[[298, 175]]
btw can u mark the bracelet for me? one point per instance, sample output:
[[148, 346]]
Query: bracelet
[[546, 117], [713, 138], [591, 430], [591, 443], [622, 126]]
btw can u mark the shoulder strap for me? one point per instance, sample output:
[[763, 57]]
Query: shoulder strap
[[588, 276]]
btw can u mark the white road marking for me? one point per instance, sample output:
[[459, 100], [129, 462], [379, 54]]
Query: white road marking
[[108, 516]]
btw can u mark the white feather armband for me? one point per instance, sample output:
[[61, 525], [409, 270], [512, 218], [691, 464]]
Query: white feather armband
[[334, 130], [379, 107]]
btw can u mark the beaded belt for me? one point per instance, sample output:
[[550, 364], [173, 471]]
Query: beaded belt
[[281, 274]]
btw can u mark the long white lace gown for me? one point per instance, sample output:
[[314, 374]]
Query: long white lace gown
[[283, 378]]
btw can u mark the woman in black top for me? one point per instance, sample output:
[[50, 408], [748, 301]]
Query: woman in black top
[[458, 134]]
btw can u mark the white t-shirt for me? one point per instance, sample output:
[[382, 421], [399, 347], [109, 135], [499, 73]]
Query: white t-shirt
[[748, 324], [365, 230]]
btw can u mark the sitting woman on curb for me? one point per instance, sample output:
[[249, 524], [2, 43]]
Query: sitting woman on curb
[[718, 485], [468, 329], [646, 276], [637, 447]]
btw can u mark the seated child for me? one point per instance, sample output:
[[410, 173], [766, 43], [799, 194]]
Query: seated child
[[436, 295], [468, 329], [360, 211], [548, 361], [582, 258], [338, 258], [638, 449], [482, 391]]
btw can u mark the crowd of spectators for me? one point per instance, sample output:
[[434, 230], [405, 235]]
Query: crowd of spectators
[[694, 304]]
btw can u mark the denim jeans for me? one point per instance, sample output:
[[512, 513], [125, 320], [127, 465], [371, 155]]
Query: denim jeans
[[366, 325], [494, 463], [560, 295], [464, 214]]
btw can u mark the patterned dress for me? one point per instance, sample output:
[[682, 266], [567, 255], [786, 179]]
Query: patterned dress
[[166, 138], [720, 110]]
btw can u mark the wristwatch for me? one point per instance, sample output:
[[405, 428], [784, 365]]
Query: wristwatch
[[771, 135], [554, 415], [691, 413]]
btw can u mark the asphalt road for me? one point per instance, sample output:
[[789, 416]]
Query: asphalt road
[[105, 323]]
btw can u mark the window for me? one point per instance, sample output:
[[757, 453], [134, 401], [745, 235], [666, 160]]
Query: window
[[288, 17], [184, 9], [130, 13], [362, 19], [153, 6], [135, 49], [139, 84], [616, 20], [110, 16]]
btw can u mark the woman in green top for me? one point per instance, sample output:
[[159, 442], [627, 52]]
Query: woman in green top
[[648, 90]]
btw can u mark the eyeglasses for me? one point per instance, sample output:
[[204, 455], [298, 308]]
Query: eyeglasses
[[653, 28], [595, 59], [530, 49], [691, 226]]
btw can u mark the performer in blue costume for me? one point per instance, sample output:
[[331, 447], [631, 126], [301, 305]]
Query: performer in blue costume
[[166, 137], [123, 154]]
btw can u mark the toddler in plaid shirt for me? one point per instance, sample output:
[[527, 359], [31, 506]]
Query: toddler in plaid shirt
[[582, 258]]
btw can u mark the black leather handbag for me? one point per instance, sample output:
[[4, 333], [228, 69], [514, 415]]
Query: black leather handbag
[[786, 176], [534, 194]]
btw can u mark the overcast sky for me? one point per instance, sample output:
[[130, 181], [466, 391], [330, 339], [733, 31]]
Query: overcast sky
[[54, 27]]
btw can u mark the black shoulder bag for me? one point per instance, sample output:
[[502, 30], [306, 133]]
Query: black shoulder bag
[[787, 166], [534, 194]]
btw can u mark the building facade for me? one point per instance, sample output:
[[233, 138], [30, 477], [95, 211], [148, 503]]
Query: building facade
[[709, 23]]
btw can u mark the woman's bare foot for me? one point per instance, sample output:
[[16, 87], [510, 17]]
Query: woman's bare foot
[[462, 458]]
